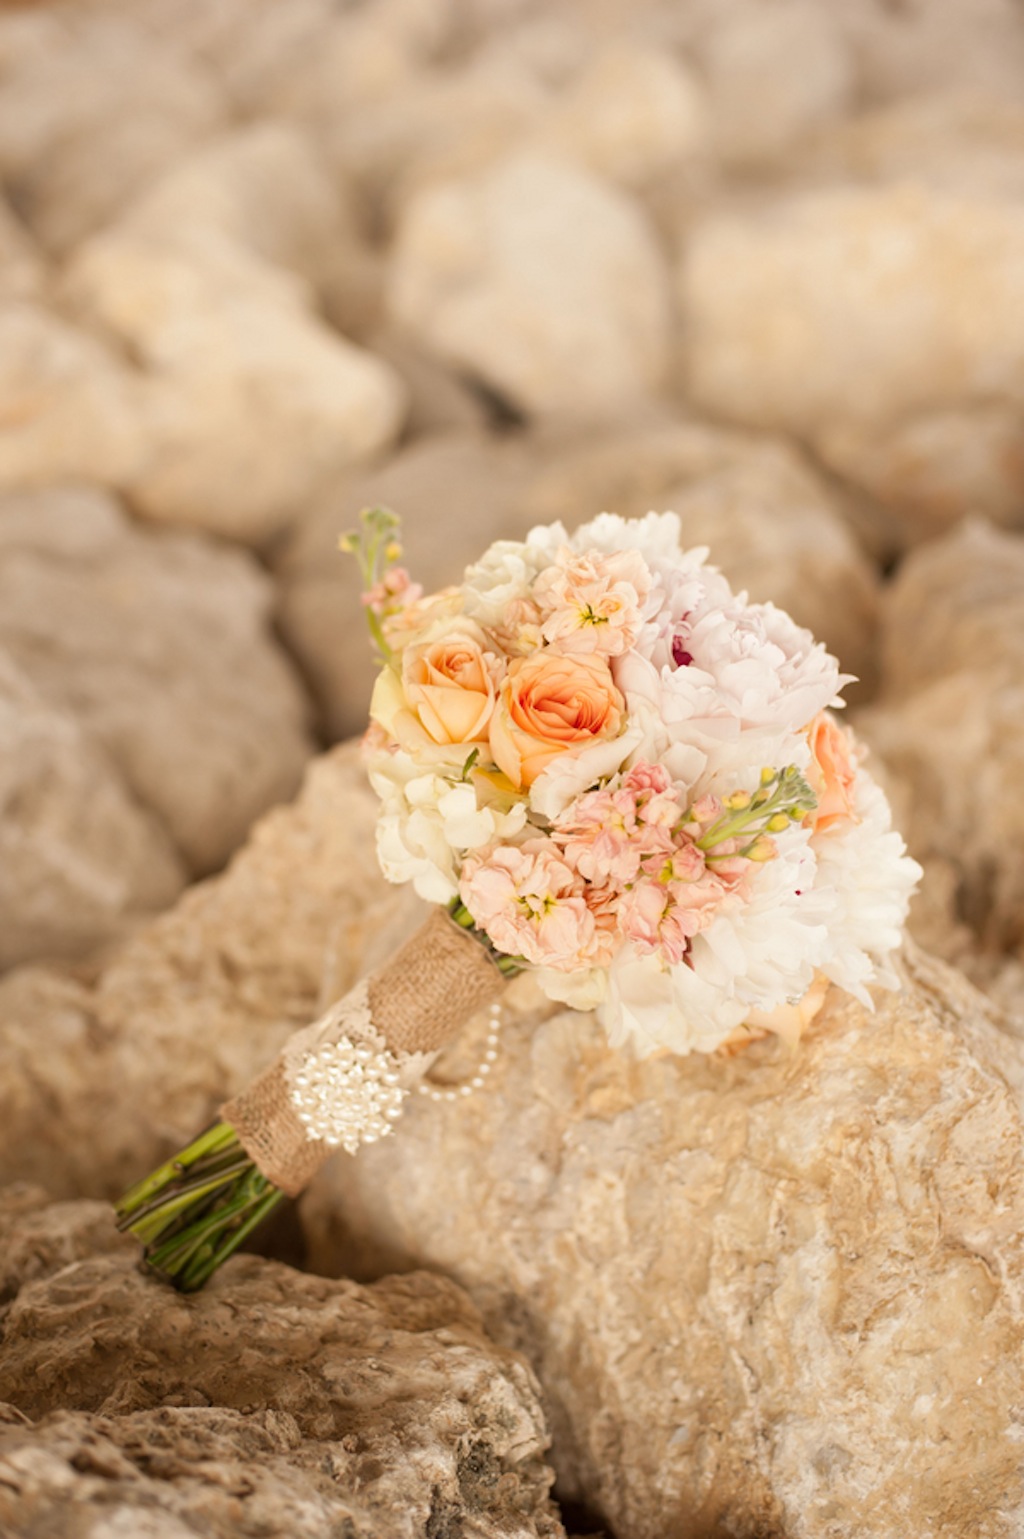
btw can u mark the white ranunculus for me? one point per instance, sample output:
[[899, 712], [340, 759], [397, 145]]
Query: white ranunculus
[[428, 821], [506, 572]]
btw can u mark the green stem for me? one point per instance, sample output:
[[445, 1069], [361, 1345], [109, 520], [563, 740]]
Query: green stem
[[195, 1210]]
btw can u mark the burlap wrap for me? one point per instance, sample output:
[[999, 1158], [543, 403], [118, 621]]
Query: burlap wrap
[[416, 1003]]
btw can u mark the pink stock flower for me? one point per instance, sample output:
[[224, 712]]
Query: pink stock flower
[[607, 834], [393, 592], [664, 910], [593, 602], [531, 904]]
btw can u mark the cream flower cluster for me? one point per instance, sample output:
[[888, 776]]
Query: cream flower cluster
[[628, 777]]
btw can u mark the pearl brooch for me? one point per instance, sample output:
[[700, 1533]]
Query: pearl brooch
[[347, 1093]]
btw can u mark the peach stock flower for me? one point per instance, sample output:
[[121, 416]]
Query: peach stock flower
[[593, 600], [548, 704], [832, 774]]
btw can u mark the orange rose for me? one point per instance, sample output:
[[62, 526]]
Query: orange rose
[[548, 704], [832, 774], [449, 684]]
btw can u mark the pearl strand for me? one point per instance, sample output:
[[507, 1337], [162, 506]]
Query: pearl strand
[[466, 1087]]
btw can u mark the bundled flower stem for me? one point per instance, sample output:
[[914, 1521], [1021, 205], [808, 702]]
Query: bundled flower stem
[[195, 1210]]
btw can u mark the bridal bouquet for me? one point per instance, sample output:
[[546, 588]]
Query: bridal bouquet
[[601, 765]]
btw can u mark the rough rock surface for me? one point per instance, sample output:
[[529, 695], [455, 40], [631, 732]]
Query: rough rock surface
[[774, 76], [272, 1403], [743, 1283], [950, 724], [540, 280], [158, 646], [777, 1294], [254, 403], [70, 408], [197, 1002], [880, 325], [91, 112], [80, 860]]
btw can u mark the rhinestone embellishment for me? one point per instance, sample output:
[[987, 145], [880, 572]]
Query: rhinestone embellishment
[[347, 1094]]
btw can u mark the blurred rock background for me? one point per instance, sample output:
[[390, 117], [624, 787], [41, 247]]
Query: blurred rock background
[[490, 262]]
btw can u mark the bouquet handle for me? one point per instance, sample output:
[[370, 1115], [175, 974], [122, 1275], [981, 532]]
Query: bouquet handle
[[345, 1076], [339, 1083]]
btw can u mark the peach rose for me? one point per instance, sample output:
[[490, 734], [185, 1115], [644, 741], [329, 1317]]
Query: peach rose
[[832, 774], [449, 684], [548, 704]]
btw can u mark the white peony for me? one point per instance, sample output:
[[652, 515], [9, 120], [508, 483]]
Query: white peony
[[757, 953]]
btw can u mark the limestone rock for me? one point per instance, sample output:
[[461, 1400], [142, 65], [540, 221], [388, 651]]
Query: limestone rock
[[950, 724], [879, 324], [93, 116], [21, 267], [453, 124], [299, 1407], [159, 646], [69, 406], [773, 76], [958, 141], [195, 1004], [961, 44], [455, 492], [634, 114], [777, 1293], [217, 332], [539, 280], [79, 859], [265, 189], [956, 603]]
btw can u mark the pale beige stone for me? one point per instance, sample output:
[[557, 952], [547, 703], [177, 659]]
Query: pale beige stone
[[255, 403], [69, 406], [91, 118], [22, 270], [882, 325], [773, 76], [776, 1293], [453, 124], [746, 1284], [956, 604], [959, 140], [80, 860], [299, 1407], [540, 280], [195, 1004], [634, 114], [159, 648], [267, 190], [975, 44], [950, 726]]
